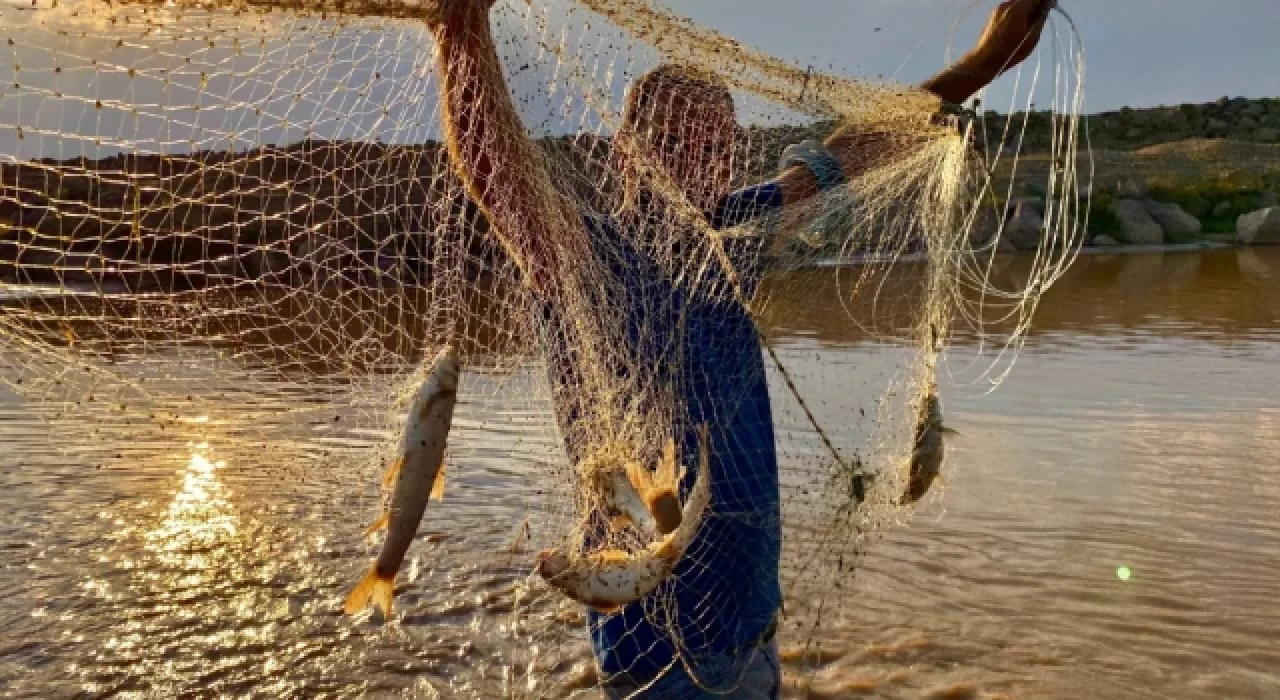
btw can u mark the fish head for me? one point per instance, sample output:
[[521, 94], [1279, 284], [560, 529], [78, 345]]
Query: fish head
[[552, 563]]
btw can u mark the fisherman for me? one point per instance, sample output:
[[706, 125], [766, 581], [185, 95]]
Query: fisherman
[[720, 633]]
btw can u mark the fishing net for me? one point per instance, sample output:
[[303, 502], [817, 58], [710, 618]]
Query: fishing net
[[241, 223]]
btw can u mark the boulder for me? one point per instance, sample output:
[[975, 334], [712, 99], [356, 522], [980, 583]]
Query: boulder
[[1216, 128], [1025, 227], [1178, 225], [1262, 226], [1221, 209], [1136, 225], [1130, 188], [1254, 109], [985, 226], [1102, 240]]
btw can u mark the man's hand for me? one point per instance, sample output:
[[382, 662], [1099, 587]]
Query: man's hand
[[1011, 34]]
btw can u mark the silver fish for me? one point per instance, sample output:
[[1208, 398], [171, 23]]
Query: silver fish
[[417, 476], [611, 579], [926, 457]]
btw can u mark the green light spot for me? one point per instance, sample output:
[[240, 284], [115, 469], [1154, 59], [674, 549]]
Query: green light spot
[[1123, 573]]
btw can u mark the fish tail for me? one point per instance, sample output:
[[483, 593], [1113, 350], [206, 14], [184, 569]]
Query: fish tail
[[373, 588], [393, 473], [437, 488]]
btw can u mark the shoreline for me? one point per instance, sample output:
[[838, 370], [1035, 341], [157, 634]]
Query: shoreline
[[11, 290]]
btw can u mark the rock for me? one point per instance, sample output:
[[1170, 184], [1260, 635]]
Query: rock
[[1025, 228], [985, 225], [1262, 226], [1178, 225], [1216, 128], [1104, 241], [1254, 109], [1136, 225], [1221, 210], [1131, 189]]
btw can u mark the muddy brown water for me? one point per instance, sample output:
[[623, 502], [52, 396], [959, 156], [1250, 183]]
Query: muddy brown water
[[1139, 431]]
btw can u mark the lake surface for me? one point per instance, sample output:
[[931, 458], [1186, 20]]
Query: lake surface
[[1138, 429]]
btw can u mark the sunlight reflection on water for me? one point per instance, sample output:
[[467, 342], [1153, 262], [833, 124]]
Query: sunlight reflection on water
[[200, 519], [1134, 434]]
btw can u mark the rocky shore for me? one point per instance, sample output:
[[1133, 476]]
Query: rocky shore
[[311, 209], [1237, 119], [373, 212]]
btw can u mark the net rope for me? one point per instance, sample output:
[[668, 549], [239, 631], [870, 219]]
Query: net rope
[[250, 207]]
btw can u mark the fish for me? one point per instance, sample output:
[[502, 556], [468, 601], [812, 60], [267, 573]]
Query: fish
[[413, 477], [611, 579], [657, 490], [928, 452], [645, 499]]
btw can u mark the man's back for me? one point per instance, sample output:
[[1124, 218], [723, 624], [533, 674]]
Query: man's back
[[695, 346]]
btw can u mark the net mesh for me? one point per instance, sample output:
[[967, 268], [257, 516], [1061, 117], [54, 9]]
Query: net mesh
[[253, 208]]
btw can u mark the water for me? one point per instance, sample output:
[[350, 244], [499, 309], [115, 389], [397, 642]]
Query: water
[[1139, 429]]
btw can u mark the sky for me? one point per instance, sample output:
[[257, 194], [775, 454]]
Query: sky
[[79, 95], [1138, 53]]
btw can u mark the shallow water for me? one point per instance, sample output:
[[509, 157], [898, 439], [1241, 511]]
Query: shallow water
[[1139, 429]]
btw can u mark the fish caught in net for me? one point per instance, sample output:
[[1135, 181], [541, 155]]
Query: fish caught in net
[[272, 204]]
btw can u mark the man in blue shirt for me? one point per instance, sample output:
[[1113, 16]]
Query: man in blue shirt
[[713, 636]]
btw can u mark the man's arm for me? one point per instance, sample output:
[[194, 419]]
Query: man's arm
[[500, 167], [1011, 34]]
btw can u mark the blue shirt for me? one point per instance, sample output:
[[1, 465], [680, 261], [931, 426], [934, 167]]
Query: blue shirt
[[701, 343]]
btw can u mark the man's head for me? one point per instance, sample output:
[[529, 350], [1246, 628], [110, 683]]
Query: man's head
[[682, 120]]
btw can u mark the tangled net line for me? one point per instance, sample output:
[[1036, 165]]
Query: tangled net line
[[252, 204]]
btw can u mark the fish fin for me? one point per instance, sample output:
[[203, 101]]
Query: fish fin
[[666, 475], [373, 588], [378, 525], [665, 509], [393, 473], [437, 488], [640, 478]]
